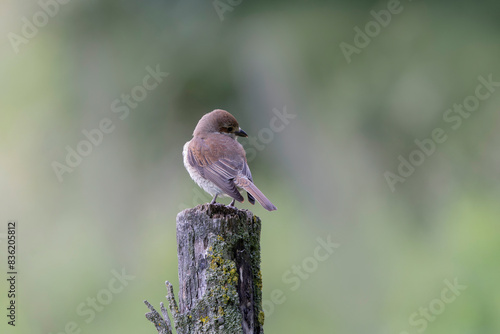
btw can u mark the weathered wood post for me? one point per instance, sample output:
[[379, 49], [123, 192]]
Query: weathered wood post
[[219, 273]]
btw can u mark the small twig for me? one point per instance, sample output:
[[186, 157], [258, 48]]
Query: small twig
[[165, 315], [162, 325], [171, 299]]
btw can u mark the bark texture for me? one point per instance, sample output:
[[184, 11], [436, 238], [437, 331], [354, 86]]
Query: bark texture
[[219, 273]]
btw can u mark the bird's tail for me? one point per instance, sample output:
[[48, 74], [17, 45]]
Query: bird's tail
[[255, 192]]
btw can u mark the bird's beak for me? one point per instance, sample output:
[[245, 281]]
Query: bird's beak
[[241, 133]]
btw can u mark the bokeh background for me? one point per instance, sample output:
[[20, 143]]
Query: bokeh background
[[324, 169]]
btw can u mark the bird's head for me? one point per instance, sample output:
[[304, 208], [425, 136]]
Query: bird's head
[[219, 121]]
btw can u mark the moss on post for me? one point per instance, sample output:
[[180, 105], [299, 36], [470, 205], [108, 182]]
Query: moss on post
[[219, 272]]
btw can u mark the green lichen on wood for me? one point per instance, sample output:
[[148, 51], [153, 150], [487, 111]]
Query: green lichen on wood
[[261, 317]]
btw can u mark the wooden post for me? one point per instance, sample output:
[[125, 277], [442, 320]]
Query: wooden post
[[219, 274]]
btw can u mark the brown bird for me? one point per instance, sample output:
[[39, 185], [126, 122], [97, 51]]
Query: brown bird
[[217, 162]]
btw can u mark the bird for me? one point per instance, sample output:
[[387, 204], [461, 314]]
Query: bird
[[217, 162]]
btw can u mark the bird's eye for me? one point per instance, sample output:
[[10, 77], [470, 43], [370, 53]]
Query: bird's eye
[[230, 129]]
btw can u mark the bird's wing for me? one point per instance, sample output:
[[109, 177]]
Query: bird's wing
[[248, 174], [215, 166]]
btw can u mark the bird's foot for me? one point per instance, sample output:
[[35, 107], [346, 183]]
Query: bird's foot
[[214, 199]]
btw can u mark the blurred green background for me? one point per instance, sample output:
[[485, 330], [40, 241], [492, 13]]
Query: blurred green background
[[324, 168]]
